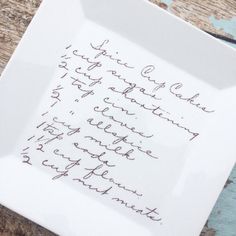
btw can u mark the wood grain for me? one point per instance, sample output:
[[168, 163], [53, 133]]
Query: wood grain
[[12, 224], [200, 12], [15, 16]]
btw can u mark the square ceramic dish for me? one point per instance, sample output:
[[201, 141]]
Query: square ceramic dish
[[191, 146]]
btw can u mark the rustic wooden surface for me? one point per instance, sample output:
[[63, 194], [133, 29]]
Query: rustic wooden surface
[[216, 16], [12, 224], [202, 12]]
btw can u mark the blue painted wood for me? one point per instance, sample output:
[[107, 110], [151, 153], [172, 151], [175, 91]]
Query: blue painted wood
[[228, 26], [223, 216]]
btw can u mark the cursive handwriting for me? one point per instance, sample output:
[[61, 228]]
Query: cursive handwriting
[[95, 156], [91, 187], [122, 124], [114, 105], [133, 86], [71, 131], [92, 64], [115, 150], [103, 52], [54, 133], [151, 214], [174, 89], [100, 124], [155, 110], [61, 173], [106, 121], [103, 174], [89, 77], [79, 85]]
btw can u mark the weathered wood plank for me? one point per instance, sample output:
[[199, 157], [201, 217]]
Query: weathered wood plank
[[216, 16], [15, 15]]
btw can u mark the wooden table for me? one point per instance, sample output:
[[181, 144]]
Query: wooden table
[[215, 16]]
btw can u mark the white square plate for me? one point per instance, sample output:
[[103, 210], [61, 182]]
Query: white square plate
[[165, 175]]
